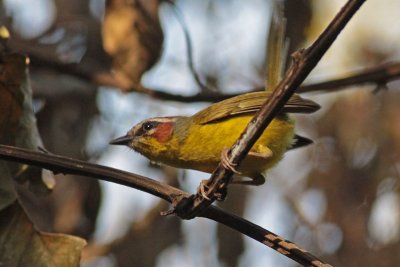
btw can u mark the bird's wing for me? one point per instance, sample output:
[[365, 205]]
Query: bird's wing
[[250, 103]]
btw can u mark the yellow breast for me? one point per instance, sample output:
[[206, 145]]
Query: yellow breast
[[201, 149]]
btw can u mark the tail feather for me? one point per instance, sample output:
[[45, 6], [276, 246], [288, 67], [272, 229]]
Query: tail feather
[[300, 141]]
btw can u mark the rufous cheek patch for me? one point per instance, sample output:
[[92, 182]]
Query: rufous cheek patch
[[163, 132]]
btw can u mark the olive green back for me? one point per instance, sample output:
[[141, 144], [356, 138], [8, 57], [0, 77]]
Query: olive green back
[[250, 103]]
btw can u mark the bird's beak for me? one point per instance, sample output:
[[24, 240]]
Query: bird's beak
[[123, 140]]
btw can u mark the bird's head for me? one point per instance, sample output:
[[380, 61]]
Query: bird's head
[[150, 136]]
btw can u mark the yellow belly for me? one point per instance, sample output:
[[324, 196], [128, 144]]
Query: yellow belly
[[202, 148]]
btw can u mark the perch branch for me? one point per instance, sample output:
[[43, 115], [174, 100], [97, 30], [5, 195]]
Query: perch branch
[[66, 165]]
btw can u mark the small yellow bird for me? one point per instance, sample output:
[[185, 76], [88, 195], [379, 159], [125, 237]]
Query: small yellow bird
[[197, 142]]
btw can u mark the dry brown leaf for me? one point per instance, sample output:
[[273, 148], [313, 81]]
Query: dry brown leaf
[[22, 245], [18, 126], [133, 37]]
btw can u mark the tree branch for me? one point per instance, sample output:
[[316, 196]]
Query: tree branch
[[189, 46], [378, 75], [66, 165], [303, 62]]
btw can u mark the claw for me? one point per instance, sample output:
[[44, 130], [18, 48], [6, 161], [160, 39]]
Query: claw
[[226, 162], [202, 189]]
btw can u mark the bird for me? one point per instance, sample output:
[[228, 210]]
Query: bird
[[200, 142]]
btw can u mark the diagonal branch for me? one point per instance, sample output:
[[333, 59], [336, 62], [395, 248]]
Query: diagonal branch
[[73, 166], [303, 62]]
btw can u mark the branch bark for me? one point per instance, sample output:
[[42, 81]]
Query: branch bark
[[169, 193], [377, 75]]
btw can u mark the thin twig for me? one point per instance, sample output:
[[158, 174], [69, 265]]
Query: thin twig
[[169, 193], [376, 75], [189, 46], [303, 62]]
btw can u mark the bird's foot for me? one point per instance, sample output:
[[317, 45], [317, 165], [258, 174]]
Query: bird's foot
[[227, 163], [219, 195], [203, 188]]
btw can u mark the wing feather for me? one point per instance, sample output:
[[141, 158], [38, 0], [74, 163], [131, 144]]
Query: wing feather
[[250, 103]]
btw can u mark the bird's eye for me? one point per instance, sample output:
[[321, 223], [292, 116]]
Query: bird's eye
[[148, 126]]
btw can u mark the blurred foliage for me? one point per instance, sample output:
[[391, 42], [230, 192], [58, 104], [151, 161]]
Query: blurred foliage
[[132, 36], [343, 195], [361, 166], [18, 124], [22, 245]]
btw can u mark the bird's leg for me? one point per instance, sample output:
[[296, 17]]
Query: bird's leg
[[263, 153], [220, 195]]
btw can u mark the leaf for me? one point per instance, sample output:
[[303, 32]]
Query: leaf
[[132, 35], [18, 126], [22, 245]]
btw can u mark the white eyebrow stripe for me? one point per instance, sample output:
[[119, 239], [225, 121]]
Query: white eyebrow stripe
[[138, 131], [162, 119]]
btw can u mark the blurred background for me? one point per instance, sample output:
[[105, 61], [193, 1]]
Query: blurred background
[[98, 67]]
